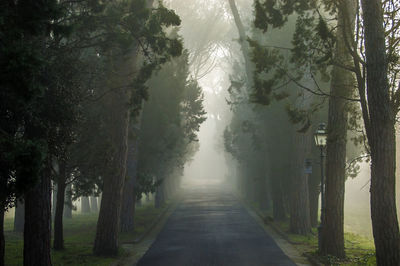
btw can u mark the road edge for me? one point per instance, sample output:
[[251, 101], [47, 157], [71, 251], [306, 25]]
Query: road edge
[[279, 237], [139, 246]]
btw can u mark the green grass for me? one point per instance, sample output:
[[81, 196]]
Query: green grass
[[79, 234], [359, 250]]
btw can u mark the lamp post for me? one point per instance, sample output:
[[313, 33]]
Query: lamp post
[[320, 137]]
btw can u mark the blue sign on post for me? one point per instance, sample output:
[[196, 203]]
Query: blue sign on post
[[308, 166]]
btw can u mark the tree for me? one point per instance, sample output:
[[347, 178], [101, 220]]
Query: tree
[[342, 87], [379, 119], [174, 111], [24, 136], [130, 187], [85, 204], [145, 30], [19, 217]]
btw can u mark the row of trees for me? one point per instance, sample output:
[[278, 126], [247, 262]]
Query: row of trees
[[74, 78], [308, 62]]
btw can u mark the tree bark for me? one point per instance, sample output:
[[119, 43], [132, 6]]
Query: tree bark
[[58, 242], [263, 194], [381, 138], [342, 85], [129, 195], [299, 202], [159, 199], [108, 225], [243, 43], [93, 204], [68, 202], [278, 201], [85, 205], [106, 242], [19, 217], [37, 233], [54, 199]]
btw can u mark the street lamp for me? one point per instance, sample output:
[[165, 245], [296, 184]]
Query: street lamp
[[320, 137]]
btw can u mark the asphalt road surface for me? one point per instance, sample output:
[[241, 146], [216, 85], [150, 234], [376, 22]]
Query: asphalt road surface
[[211, 228]]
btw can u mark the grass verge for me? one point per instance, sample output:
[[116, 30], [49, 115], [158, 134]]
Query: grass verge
[[79, 234], [359, 250]]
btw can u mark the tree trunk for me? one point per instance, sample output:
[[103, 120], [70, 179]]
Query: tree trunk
[[244, 45], [85, 205], [58, 242], [19, 217], [99, 200], [108, 225], [263, 193], [342, 85], [299, 202], [54, 199], [278, 201], [68, 202], [37, 233], [381, 138], [129, 195], [93, 204], [106, 242], [159, 200]]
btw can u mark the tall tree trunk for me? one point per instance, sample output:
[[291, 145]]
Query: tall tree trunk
[[68, 202], [85, 205], [159, 199], [19, 217], [93, 204], [108, 225], [278, 201], [299, 202], [342, 85], [263, 196], [381, 138], [244, 45], [37, 233], [54, 199], [58, 242], [106, 242], [99, 200], [129, 195]]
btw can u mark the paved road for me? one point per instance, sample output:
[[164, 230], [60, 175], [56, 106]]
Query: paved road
[[211, 228]]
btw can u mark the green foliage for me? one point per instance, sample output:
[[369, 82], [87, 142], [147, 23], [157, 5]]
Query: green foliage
[[309, 56], [26, 27], [170, 121]]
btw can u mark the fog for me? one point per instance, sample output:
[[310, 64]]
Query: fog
[[217, 42]]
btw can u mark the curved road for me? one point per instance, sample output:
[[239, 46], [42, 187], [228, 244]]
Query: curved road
[[211, 228]]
